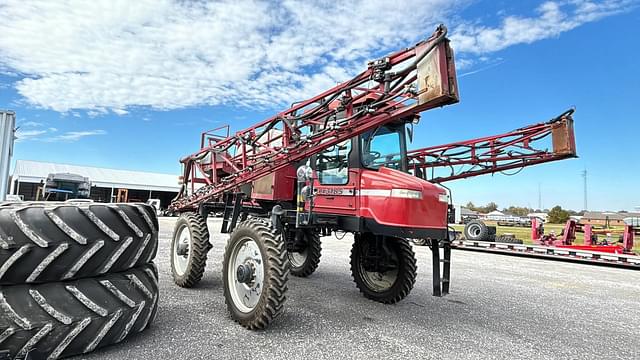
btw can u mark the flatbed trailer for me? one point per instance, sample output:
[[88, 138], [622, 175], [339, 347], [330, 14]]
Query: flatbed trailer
[[561, 248], [625, 261]]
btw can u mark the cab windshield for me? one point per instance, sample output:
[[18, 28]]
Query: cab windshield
[[383, 147]]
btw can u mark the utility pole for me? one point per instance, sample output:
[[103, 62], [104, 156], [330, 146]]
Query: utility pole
[[584, 176], [540, 196]]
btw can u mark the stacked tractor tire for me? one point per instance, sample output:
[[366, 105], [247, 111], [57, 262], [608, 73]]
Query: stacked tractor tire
[[75, 277], [477, 230]]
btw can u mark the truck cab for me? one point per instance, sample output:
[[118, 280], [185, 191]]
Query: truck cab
[[63, 187]]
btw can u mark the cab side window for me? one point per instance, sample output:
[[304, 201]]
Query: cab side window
[[333, 164]]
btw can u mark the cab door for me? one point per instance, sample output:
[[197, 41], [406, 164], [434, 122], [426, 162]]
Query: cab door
[[335, 183]]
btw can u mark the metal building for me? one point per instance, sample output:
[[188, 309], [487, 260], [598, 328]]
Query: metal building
[[107, 185]]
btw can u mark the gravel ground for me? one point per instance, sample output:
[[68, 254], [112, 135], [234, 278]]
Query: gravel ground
[[500, 307]]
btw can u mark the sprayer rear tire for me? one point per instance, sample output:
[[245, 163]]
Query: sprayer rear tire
[[306, 262], [420, 242], [398, 286], [61, 319], [195, 226], [269, 259], [44, 242]]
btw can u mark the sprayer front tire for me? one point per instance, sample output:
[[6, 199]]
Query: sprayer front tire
[[390, 286], [254, 245]]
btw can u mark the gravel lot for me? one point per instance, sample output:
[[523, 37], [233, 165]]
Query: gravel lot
[[500, 307]]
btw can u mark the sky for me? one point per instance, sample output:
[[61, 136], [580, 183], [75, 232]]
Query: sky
[[131, 85]]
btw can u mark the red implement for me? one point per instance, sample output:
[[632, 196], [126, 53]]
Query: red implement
[[568, 236]]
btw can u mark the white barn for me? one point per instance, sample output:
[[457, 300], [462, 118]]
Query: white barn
[[140, 186]]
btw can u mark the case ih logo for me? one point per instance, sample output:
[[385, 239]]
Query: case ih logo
[[334, 191]]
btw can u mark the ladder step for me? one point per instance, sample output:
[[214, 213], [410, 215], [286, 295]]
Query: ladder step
[[445, 281], [445, 261]]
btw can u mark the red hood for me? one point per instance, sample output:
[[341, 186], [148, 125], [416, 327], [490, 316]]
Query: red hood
[[428, 212], [386, 178]]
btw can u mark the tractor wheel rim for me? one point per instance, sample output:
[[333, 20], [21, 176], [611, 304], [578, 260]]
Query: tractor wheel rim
[[246, 296], [379, 281], [474, 230], [297, 259], [182, 239]]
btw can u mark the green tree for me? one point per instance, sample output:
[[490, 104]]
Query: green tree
[[490, 207], [519, 211], [557, 215], [482, 209]]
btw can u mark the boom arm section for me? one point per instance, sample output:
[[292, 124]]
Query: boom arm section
[[514, 150], [395, 87]]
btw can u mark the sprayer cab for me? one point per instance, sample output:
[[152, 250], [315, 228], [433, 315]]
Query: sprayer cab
[[362, 185]]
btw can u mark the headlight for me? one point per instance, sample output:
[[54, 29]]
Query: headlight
[[304, 173], [444, 198], [406, 194]]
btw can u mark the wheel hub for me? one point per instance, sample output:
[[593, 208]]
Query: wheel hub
[[183, 249], [379, 266], [181, 252], [245, 273]]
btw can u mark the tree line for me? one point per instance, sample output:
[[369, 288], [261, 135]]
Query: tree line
[[557, 214]]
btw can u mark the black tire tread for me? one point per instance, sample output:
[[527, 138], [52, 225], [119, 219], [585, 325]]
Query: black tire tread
[[200, 246], [406, 274], [314, 251], [276, 274], [45, 242], [508, 240], [23, 317]]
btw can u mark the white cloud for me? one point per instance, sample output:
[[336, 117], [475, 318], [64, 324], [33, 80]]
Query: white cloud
[[24, 135], [30, 124], [100, 55], [491, 65], [72, 136], [106, 55], [48, 134], [554, 18], [120, 111]]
